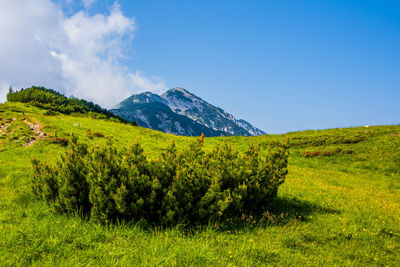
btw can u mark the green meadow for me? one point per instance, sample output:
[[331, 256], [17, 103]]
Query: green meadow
[[339, 204]]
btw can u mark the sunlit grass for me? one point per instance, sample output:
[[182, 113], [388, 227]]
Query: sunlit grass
[[342, 209]]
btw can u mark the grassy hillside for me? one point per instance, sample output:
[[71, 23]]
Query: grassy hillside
[[57, 103], [339, 205]]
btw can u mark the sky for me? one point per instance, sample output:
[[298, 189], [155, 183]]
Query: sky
[[281, 65]]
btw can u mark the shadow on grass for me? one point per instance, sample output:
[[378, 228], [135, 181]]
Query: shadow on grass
[[281, 211], [295, 207]]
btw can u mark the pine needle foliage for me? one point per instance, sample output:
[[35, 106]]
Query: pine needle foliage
[[189, 186]]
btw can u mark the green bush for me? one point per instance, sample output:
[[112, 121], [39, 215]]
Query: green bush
[[64, 185], [187, 186]]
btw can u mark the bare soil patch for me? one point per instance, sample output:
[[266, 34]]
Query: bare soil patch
[[36, 127]]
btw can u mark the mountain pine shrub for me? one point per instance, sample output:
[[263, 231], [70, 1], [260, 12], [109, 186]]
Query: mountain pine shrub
[[64, 185], [187, 186]]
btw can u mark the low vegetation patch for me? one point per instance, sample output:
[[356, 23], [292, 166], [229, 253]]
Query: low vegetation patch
[[189, 186], [94, 134], [326, 140], [326, 151], [58, 140]]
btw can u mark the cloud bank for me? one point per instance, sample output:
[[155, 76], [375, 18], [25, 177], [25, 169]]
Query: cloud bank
[[78, 54]]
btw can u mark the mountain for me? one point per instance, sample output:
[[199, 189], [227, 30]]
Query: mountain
[[180, 112]]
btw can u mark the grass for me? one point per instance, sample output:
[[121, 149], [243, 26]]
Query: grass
[[342, 209]]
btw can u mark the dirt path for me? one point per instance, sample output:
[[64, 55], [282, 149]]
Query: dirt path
[[36, 128]]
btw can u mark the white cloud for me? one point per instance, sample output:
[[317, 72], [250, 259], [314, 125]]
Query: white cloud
[[78, 54], [88, 3]]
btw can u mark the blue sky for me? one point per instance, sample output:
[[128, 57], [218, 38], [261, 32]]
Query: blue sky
[[281, 65]]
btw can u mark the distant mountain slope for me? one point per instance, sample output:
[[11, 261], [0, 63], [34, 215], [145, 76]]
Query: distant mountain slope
[[180, 112]]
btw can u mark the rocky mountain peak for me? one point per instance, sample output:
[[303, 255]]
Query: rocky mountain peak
[[176, 109]]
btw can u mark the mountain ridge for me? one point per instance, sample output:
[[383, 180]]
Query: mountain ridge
[[180, 112]]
